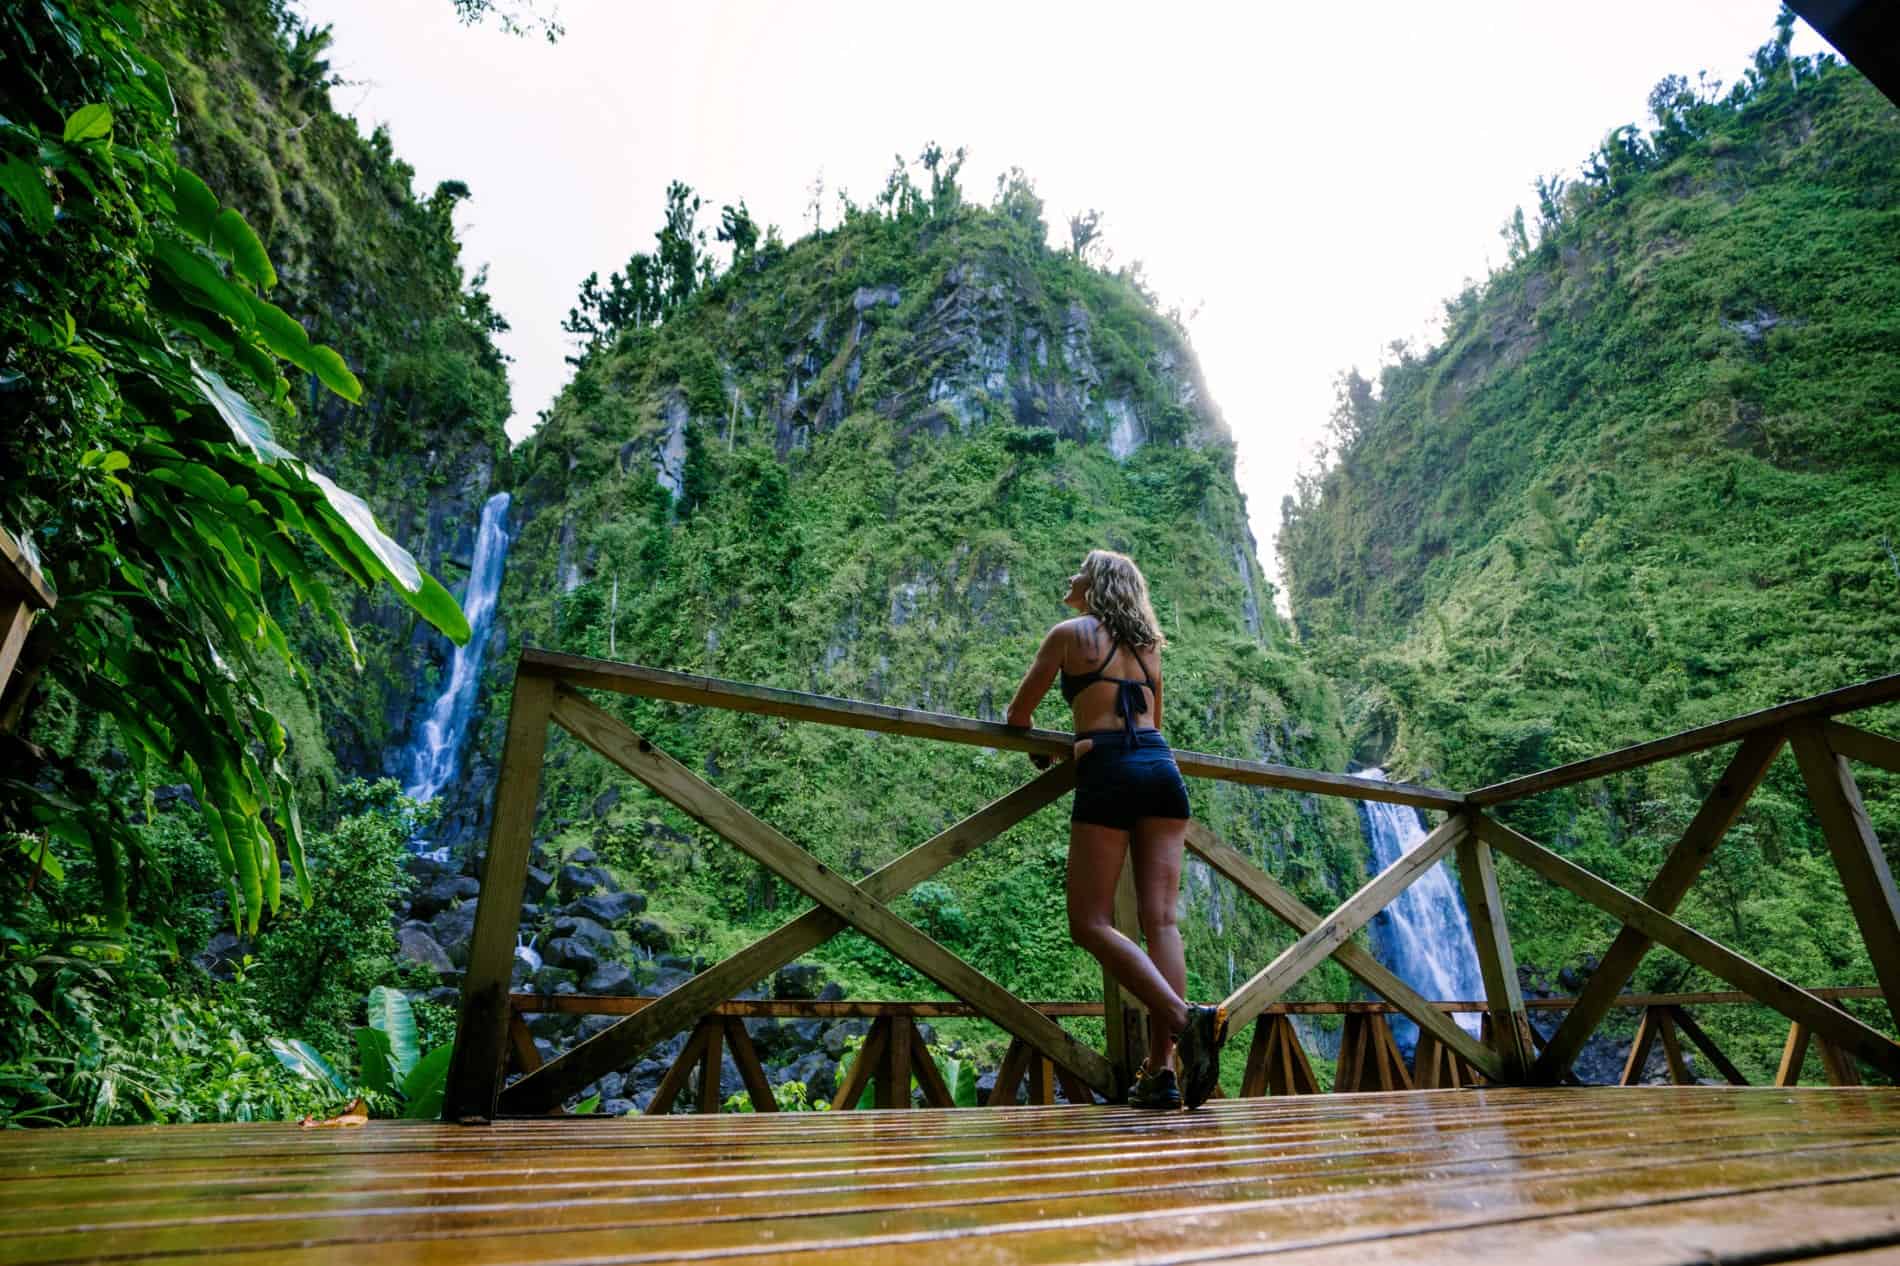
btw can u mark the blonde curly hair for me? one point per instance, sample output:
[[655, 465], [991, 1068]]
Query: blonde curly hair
[[1118, 597]]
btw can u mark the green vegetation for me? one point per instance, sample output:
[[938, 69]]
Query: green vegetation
[[1649, 478], [864, 464]]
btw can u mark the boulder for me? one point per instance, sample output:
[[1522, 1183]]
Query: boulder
[[440, 894], [414, 945], [576, 881], [452, 928], [664, 981], [616, 1107], [610, 1086], [567, 951], [835, 1035], [833, 992], [589, 933], [803, 1034], [645, 1077], [593, 1024], [552, 1024], [605, 801], [649, 935], [610, 908], [537, 884], [797, 980], [444, 996], [818, 1071], [550, 979], [611, 978], [583, 856], [223, 954]]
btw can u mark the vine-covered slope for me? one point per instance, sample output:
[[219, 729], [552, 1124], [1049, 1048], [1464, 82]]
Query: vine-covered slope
[[1649, 478], [367, 266], [865, 465]]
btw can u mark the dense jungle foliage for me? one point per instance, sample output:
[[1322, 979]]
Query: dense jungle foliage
[[1649, 478], [161, 736]]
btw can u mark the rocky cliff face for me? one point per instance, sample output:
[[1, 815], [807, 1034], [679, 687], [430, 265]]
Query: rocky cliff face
[[864, 465]]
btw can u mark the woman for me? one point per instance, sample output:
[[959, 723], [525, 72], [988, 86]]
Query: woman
[[1129, 799]]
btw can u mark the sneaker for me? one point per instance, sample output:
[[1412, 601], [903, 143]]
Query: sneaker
[[1154, 1089], [1198, 1052]]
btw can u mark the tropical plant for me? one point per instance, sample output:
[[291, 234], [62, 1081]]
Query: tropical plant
[[162, 505]]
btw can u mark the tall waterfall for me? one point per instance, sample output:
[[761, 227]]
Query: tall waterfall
[[436, 752], [1425, 935]]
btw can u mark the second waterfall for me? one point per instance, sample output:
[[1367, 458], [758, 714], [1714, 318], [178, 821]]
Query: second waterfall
[[1425, 935]]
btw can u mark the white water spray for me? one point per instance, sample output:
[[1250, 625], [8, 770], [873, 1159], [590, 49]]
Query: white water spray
[[1425, 935], [435, 755]]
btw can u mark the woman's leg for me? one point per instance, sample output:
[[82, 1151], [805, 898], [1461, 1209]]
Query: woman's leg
[[1095, 862], [1155, 846]]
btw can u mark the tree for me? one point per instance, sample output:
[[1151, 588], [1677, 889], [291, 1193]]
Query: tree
[[945, 194], [1085, 230], [167, 514], [1018, 201], [737, 226]]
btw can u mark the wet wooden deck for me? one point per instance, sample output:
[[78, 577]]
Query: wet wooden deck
[[1629, 1176]]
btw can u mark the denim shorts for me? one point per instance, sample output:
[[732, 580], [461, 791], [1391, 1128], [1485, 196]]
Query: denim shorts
[[1125, 777]]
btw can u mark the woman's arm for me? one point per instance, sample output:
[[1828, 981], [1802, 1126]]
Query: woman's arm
[[1042, 671]]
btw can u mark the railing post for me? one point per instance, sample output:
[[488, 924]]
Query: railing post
[[474, 1077], [1865, 876], [1492, 938]]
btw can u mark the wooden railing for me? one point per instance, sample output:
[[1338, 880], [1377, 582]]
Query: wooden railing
[[546, 692]]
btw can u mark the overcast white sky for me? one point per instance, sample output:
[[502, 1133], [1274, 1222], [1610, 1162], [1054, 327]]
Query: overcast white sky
[[1318, 178]]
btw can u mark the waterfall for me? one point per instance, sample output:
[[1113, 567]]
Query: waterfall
[[1425, 935], [435, 755]]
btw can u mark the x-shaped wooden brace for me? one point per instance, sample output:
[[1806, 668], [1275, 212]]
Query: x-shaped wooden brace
[[842, 903], [1356, 959]]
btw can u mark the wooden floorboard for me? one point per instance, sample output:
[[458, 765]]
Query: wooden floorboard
[[1631, 1175]]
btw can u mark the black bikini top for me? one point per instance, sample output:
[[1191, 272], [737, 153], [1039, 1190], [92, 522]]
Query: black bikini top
[[1128, 700]]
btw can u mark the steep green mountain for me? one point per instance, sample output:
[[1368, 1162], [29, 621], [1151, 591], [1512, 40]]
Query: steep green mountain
[[1649, 478], [865, 465], [367, 266]]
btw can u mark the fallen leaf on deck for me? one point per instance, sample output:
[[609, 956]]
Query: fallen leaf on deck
[[356, 1114]]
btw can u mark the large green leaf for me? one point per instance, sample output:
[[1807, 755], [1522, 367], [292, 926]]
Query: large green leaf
[[422, 1089], [21, 181], [299, 1058], [390, 558], [201, 282], [245, 422], [88, 123], [372, 1059], [197, 206], [234, 239], [391, 1015]]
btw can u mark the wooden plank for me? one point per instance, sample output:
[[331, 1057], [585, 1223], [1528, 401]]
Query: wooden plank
[[1707, 1046], [21, 579], [1290, 910], [660, 1018], [527, 1055], [1783, 995], [16, 619], [1794, 1053], [863, 1067], [745, 1055], [1672, 1048], [680, 1073], [1638, 1058], [1866, 879], [1042, 1079], [1837, 1064], [1290, 1072], [1325, 937], [893, 1081], [924, 1069], [766, 845], [1497, 963], [1253, 1075], [474, 1076], [796, 705], [1073, 1088], [711, 1064], [1009, 1074], [1866, 694], [1711, 823], [1864, 746]]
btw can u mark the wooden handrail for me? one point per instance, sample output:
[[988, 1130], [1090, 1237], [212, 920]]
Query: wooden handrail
[[857, 714], [1866, 694], [846, 1009]]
